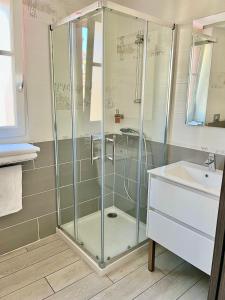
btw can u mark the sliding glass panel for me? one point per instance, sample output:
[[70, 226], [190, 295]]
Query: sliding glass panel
[[87, 84], [61, 66], [158, 62], [123, 61]]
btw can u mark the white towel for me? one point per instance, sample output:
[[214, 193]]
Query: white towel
[[10, 190], [17, 149]]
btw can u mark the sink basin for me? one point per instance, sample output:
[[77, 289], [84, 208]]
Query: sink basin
[[192, 175]]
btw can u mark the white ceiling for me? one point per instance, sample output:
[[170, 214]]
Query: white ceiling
[[161, 8], [180, 11]]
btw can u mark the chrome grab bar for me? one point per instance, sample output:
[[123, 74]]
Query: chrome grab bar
[[113, 141], [93, 158]]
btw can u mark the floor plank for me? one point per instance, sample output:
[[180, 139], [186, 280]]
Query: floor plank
[[174, 284], [35, 272], [29, 258], [35, 291], [131, 285], [198, 291], [139, 280], [85, 288], [32, 272], [68, 275], [12, 254], [167, 261], [43, 242], [138, 260]]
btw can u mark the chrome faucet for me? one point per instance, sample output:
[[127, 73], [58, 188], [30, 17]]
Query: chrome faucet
[[211, 162]]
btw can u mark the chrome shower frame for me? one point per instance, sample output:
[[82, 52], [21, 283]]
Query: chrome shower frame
[[114, 7], [89, 10]]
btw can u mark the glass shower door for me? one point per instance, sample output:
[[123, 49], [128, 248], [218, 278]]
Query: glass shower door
[[155, 106], [108, 130], [86, 54], [60, 40], [123, 62]]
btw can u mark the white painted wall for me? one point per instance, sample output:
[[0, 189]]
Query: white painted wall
[[182, 11], [37, 67], [187, 10]]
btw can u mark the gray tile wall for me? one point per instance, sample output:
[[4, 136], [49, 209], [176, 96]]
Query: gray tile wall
[[126, 170], [37, 219], [88, 180], [158, 155]]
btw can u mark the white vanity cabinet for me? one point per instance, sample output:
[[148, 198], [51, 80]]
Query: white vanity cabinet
[[182, 211]]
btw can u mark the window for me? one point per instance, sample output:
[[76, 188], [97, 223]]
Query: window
[[12, 116]]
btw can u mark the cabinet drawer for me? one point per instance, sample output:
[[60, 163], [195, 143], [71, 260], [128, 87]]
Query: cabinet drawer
[[189, 245], [193, 208]]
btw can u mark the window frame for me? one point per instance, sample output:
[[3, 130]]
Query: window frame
[[17, 132]]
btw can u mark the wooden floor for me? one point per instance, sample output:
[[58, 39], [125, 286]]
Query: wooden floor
[[50, 270]]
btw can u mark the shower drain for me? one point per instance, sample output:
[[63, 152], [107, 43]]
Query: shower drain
[[111, 215]]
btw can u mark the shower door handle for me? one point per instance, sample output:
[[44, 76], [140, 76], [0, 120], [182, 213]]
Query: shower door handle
[[93, 158], [113, 142]]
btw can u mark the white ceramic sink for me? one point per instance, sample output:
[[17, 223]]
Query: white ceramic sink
[[192, 175]]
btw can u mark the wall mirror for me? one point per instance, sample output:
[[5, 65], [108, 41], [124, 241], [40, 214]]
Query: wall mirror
[[206, 88]]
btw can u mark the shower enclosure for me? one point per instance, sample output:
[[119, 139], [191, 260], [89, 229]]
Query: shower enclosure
[[111, 77]]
